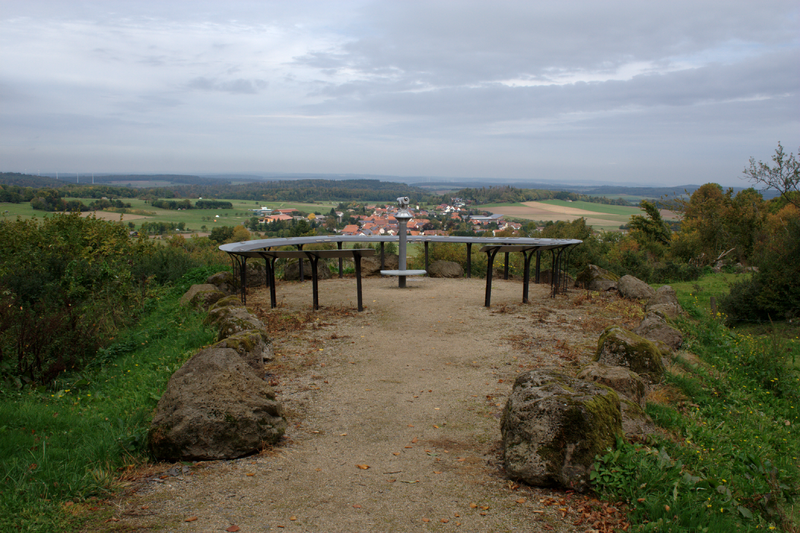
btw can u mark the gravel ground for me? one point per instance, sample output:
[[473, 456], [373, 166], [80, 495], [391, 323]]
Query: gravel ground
[[393, 414]]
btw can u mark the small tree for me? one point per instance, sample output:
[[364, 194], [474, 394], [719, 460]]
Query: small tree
[[784, 177]]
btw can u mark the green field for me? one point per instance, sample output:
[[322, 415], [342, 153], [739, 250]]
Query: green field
[[193, 218]]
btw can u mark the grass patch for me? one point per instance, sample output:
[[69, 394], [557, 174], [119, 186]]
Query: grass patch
[[732, 461], [64, 447]]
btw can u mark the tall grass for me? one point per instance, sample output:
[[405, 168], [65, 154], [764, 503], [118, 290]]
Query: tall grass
[[67, 444]]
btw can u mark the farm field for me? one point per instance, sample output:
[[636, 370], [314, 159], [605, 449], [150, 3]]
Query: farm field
[[600, 216], [193, 218]]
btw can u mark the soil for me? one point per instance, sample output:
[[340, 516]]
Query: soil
[[394, 414]]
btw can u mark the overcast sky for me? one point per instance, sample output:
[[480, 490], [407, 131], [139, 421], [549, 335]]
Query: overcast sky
[[655, 93]]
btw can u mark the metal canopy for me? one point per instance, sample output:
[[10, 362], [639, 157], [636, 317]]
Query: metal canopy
[[529, 246]]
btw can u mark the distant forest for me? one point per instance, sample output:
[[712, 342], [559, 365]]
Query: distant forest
[[16, 188]]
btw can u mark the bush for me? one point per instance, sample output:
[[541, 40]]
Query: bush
[[772, 293]]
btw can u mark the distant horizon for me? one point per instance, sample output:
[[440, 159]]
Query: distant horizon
[[409, 180]]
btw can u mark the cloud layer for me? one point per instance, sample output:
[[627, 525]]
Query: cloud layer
[[665, 94]]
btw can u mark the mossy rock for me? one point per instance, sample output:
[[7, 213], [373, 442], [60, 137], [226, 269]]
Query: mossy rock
[[201, 296], [253, 346], [654, 327], [620, 347], [594, 278], [665, 302], [627, 383], [228, 301], [224, 281], [554, 425], [232, 320]]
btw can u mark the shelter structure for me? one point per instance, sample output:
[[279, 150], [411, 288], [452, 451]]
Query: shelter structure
[[559, 249]]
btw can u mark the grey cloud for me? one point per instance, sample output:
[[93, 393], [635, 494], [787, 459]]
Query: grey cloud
[[238, 86], [476, 41]]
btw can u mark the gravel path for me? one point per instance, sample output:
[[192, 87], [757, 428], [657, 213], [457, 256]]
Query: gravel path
[[393, 414]]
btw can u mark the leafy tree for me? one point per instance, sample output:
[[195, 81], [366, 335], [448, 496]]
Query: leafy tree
[[773, 292], [783, 177], [221, 234], [650, 230]]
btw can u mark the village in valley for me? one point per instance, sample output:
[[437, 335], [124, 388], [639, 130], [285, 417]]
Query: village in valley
[[379, 220]]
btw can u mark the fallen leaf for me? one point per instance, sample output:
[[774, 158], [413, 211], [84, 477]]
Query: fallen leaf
[[473, 506], [437, 472], [521, 500], [363, 467], [485, 507], [414, 440], [356, 506], [445, 520], [191, 519], [250, 474], [484, 513], [395, 453], [233, 529], [292, 518], [342, 434]]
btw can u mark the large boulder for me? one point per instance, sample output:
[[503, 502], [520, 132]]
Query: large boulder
[[232, 320], [554, 425], [201, 296], [445, 269], [253, 346], [665, 302], [291, 271], [256, 273], [594, 278], [371, 266], [223, 281], [215, 407], [634, 288], [654, 328], [626, 382], [620, 347]]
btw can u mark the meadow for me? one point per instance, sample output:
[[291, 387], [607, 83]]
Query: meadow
[[193, 219], [600, 216]]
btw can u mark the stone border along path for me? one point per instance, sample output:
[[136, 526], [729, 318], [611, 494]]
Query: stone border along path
[[393, 415]]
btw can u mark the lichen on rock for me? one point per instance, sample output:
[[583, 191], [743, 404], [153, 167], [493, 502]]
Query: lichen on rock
[[254, 346], [215, 407], [554, 425], [620, 347], [232, 320]]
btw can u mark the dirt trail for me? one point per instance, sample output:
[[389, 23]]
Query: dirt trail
[[393, 415]]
